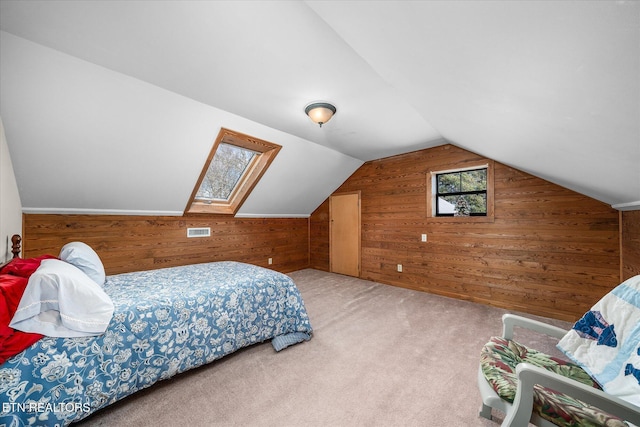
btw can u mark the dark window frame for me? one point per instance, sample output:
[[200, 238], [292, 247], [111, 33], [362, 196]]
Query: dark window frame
[[460, 193], [455, 167]]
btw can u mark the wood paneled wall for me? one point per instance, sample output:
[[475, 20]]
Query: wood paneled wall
[[132, 243], [550, 251], [319, 237], [630, 231]]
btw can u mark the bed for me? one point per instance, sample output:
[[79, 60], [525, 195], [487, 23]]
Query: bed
[[163, 322]]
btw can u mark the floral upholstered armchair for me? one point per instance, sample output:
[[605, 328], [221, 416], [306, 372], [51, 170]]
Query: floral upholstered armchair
[[599, 386]]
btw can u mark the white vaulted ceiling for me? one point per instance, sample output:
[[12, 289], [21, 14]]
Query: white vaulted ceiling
[[115, 105]]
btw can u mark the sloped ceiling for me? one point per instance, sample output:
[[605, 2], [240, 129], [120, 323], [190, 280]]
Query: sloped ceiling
[[127, 97]]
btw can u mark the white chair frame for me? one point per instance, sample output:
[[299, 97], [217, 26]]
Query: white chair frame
[[520, 413]]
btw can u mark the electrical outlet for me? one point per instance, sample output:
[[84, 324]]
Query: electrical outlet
[[399, 268], [270, 261], [424, 237]]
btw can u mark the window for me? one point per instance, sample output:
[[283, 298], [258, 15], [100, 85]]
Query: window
[[461, 194], [228, 166], [233, 168]]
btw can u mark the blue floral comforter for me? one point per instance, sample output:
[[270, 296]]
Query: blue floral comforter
[[165, 322]]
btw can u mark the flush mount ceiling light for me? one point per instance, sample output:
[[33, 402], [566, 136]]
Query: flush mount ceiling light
[[320, 112]]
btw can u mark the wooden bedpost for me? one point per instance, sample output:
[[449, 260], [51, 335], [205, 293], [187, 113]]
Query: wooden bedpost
[[15, 247]]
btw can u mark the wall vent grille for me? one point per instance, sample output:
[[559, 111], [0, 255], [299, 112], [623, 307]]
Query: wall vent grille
[[199, 232]]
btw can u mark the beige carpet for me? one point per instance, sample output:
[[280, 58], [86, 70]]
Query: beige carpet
[[380, 356]]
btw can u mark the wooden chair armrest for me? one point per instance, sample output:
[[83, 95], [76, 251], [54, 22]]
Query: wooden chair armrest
[[511, 320], [528, 375]]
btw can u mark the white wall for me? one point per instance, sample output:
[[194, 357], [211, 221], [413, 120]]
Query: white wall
[[85, 139], [10, 206]]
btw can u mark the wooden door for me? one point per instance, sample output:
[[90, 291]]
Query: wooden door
[[344, 233]]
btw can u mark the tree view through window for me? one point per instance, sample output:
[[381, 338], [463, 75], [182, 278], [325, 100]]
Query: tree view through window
[[228, 166], [462, 193], [234, 166]]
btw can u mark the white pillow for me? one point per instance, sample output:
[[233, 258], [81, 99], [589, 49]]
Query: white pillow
[[85, 258], [61, 301]]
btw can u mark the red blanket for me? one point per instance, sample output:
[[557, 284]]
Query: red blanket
[[13, 280]]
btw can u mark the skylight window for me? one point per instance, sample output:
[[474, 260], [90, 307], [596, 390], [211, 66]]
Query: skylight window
[[229, 165], [235, 165]]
